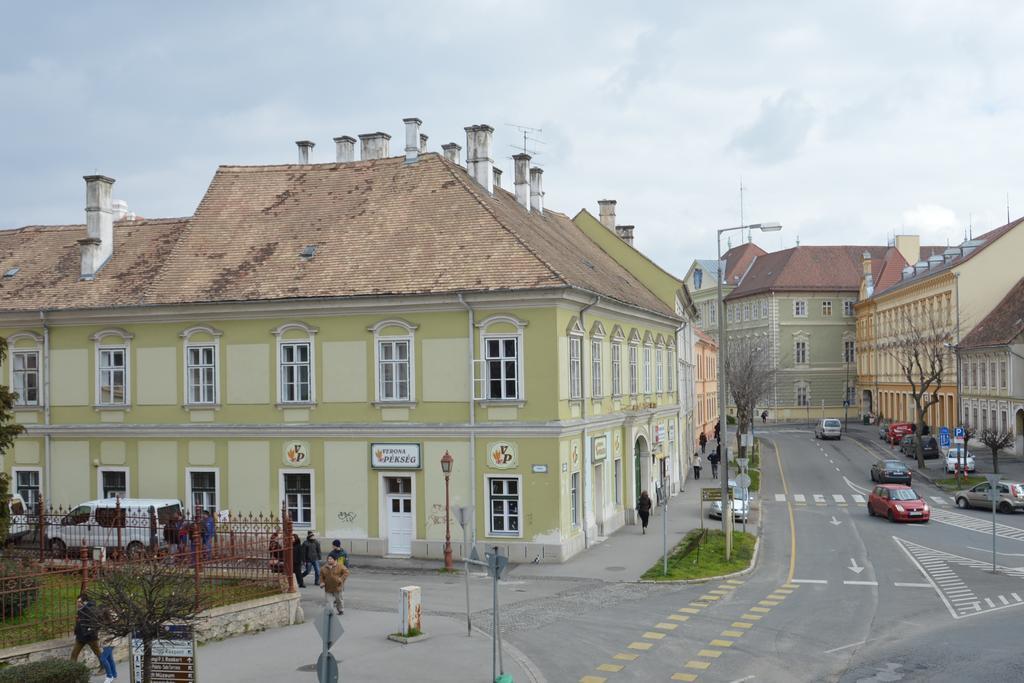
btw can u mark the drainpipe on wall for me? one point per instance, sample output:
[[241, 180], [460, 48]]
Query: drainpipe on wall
[[583, 416], [688, 421], [472, 422], [46, 402]]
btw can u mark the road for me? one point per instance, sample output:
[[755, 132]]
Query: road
[[837, 595]]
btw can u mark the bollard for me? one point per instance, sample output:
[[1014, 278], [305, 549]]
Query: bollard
[[410, 612]]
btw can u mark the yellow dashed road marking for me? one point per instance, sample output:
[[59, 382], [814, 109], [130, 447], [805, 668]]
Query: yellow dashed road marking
[[667, 627], [776, 596], [684, 677], [713, 654], [786, 591], [697, 664], [720, 643], [719, 591], [654, 635], [760, 609], [791, 586], [625, 656], [768, 603], [610, 667], [710, 597], [741, 624], [679, 617], [732, 634], [751, 617], [593, 679], [688, 610], [639, 646], [698, 604], [734, 582]]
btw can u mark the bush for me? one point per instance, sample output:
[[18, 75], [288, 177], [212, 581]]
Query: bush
[[46, 671], [18, 590]]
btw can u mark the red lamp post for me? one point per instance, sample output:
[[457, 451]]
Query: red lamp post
[[446, 467]]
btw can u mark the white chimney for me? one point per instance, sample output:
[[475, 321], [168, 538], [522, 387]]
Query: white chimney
[[521, 162], [119, 208], [478, 155], [606, 213], [412, 139], [497, 177], [373, 145], [305, 147], [98, 244], [452, 151], [423, 143], [345, 149], [537, 189], [625, 232]]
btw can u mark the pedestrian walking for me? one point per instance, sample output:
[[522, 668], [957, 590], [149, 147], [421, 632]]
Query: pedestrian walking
[[714, 459], [338, 553], [696, 465], [311, 556], [171, 534], [207, 531], [718, 429], [333, 578], [107, 657], [703, 442], [85, 628], [764, 417], [643, 508], [276, 551], [297, 560]]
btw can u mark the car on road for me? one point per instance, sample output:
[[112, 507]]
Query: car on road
[[897, 430], [957, 454], [1011, 497], [890, 471], [741, 500], [898, 503], [829, 428], [929, 446]]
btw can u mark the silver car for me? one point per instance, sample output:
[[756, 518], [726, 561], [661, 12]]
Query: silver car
[[1011, 497], [829, 428], [741, 500]]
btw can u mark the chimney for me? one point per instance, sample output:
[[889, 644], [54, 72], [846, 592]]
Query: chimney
[[537, 189], [909, 247], [423, 143], [606, 211], [497, 177], [869, 280], [452, 151], [345, 149], [412, 139], [478, 155], [626, 233], [305, 147], [373, 145], [521, 162], [98, 244], [119, 208]]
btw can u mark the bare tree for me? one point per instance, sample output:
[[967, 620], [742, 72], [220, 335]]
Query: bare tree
[[750, 377], [995, 441], [143, 600], [920, 352]]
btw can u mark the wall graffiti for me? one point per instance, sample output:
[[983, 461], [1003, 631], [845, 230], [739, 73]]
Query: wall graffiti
[[436, 516], [347, 517]]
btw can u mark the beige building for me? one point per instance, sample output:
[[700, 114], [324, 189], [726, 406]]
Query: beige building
[[706, 384]]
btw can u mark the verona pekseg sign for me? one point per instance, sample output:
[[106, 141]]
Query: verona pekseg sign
[[395, 456]]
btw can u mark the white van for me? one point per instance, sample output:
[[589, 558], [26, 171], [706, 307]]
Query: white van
[[96, 524], [829, 428]]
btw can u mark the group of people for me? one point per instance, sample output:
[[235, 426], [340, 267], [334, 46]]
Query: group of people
[[330, 573], [179, 535], [87, 635], [714, 457]]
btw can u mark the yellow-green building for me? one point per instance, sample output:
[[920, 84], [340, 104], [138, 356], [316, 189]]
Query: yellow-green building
[[318, 335]]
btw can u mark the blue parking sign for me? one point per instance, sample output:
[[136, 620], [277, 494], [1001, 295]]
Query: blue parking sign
[[959, 433], [944, 437]]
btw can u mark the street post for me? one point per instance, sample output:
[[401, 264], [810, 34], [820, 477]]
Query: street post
[[664, 528], [993, 496], [330, 629], [465, 517]]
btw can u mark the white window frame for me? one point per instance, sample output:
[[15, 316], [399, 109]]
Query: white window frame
[[22, 401], [616, 368], [310, 339], [575, 367], [849, 351], [796, 351], [1003, 365], [574, 499], [519, 499], [806, 388], [671, 365], [647, 359], [36, 348], [378, 338], [848, 311], [826, 308], [714, 313], [728, 313], [124, 345], [502, 360], [100, 471], [764, 308], [617, 481], [14, 484], [799, 308], [189, 471], [188, 344], [596, 367], [312, 493], [659, 369], [634, 368], [394, 347]]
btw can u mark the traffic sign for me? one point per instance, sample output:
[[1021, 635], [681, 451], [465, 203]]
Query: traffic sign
[[710, 494], [326, 668], [944, 437], [743, 480], [959, 433], [329, 626], [742, 462], [496, 564]]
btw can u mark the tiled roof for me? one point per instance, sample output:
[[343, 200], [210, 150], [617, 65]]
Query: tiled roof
[[738, 260], [48, 262], [890, 269], [1003, 325], [703, 336], [807, 268]]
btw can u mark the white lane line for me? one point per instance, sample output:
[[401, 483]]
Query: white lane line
[[745, 678], [809, 581], [837, 469], [838, 497], [988, 550], [818, 498], [780, 497], [799, 498], [855, 487], [900, 584], [858, 499], [1004, 600], [940, 499], [860, 583], [844, 647]]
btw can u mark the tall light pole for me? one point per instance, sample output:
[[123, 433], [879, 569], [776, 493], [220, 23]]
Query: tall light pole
[[723, 423], [446, 467]]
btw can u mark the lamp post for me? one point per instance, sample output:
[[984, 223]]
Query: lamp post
[[446, 467], [722, 393]]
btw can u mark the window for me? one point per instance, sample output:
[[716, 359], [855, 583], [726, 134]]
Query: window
[[201, 371], [504, 506], [202, 490], [826, 309], [848, 351], [800, 308], [393, 370], [764, 308], [728, 312], [800, 352], [596, 385], [848, 308], [618, 481], [295, 372], [25, 370], [633, 351], [298, 496], [1002, 374], [574, 504], [616, 369], [1003, 425], [647, 369], [974, 374], [746, 310], [26, 484], [671, 371], [501, 356], [754, 311], [803, 396], [112, 370], [113, 483], [659, 369], [992, 373], [851, 395], [984, 374], [974, 423], [575, 369], [714, 313]]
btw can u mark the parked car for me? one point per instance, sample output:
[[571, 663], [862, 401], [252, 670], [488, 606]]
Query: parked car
[[897, 430], [898, 503], [957, 454], [741, 500], [20, 531], [890, 471], [883, 431], [1011, 497], [829, 428], [96, 523], [929, 446]]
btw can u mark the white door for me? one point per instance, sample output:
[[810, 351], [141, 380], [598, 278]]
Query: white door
[[399, 511]]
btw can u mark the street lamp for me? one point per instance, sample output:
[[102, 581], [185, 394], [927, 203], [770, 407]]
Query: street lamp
[[722, 393], [446, 468]]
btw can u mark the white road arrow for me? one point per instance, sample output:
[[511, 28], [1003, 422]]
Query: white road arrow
[[835, 522], [854, 567]]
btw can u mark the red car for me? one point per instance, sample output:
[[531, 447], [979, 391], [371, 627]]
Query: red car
[[898, 430], [898, 503]]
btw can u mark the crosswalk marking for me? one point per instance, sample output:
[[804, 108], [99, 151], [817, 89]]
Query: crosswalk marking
[[939, 499], [780, 497], [838, 497], [799, 498], [857, 498], [979, 524], [820, 499]]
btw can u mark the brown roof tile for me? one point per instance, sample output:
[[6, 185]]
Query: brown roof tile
[[807, 268], [738, 260], [1003, 325]]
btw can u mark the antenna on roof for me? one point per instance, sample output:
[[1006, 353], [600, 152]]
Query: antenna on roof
[[798, 239], [530, 135], [1007, 207], [970, 225]]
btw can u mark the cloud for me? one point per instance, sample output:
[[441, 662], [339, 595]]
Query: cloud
[[779, 131], [934, 223]]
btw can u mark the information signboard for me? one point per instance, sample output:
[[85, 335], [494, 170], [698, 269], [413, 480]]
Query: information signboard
[[171, 661]]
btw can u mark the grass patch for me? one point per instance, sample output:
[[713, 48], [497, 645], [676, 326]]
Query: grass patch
[[953, 484], [413, 633], [708, 560], [51, 615]]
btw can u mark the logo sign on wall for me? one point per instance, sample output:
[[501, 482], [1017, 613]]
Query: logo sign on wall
[[659, 433], [599, 449], [296, 453], [395, 456], [502, 455], [617, 444]]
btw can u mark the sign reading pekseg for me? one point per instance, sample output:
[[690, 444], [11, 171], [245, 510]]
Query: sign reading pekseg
[[395, 456]]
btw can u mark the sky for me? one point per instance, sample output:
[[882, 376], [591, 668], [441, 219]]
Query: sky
[[845, 122]]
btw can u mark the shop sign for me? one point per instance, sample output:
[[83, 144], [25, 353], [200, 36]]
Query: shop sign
[[617, 444], [502, 455], [659, 433], [296, 453], [599, 450], [395, 456]]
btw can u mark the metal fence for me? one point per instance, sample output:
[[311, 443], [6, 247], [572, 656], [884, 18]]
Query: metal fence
[[53, 554]]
